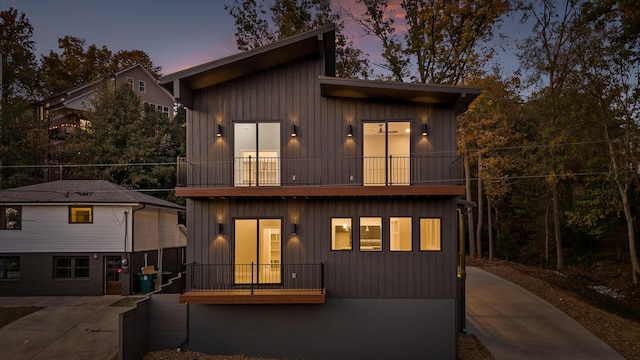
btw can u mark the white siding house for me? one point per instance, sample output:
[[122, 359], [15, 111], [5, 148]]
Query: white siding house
[[84, 237]]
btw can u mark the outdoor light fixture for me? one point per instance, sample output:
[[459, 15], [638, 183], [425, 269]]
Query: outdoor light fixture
[[350, 130], [219, 132], [294, 130], [424, 130], [294, 229], [220, 228]]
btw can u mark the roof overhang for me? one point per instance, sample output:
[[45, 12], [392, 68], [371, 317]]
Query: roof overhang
[[309, 44], [455, 97]]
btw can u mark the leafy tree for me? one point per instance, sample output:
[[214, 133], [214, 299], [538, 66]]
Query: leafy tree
[[491, 123], [608, 73], [257, 26], [77, 64], [22, 139], [549, 53], [442, 38], [135, 147]]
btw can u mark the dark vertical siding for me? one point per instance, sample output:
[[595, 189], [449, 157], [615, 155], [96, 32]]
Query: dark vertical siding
[[349, 274]]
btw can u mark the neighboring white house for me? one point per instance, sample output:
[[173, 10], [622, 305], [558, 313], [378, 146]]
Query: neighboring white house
[[85, 237]]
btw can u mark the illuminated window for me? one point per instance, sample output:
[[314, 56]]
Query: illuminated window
[[341, 234], [9, 267], [80, 214], [10, 217], [71, 267], [400, 234], [142, 86], [370, 234], [430, 234]]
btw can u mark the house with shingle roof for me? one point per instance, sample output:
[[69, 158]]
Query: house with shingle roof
[[85, 237]]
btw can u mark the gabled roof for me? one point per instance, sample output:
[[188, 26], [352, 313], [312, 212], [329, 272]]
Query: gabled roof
[[315, 43], [80, 191]]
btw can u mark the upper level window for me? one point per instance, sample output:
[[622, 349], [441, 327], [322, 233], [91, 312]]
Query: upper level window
[[430, 234], [370, 234], [142, 86], [10, 217], [386, 150], [341, 234], [81, 214], [130, 82], [400, 234], [256, 154], [9, 267]]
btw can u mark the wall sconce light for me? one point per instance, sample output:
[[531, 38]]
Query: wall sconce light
[[220, 228], [294, 130], [294, 230], [95, 256], [350, 130], [424, 130], [219, 131]]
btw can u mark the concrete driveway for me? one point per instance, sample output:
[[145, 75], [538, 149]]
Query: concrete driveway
[[70, 327], [515, 324]]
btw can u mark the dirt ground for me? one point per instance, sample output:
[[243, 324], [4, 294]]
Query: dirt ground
[[581, 293]]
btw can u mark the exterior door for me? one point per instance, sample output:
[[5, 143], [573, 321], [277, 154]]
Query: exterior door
[[257, 154], [386, 150], [257, 253], [113, 275]]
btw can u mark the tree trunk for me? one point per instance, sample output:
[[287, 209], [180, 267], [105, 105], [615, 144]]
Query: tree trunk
[[490, 228], [467, 179], [635, 269], [480, 208], [556, 223]]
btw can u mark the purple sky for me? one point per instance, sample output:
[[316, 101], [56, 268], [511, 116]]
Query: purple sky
[[176, 34]]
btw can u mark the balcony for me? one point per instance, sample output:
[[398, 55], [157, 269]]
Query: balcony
[[254, 284], [414, 170]]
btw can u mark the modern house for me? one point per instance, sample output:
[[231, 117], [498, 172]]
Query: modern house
[[66, 111], [85, 237], [321, 211]]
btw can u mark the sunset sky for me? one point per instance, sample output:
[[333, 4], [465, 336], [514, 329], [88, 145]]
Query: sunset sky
[[175, 34]]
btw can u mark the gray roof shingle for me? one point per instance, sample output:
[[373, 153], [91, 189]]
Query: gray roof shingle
[[80, 191]]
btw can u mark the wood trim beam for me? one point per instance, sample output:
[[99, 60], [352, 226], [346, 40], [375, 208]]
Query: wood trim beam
[[317, 191]]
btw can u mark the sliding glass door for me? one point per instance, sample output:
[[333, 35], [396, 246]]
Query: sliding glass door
[[258, 248], [386, 150], [257, 154]]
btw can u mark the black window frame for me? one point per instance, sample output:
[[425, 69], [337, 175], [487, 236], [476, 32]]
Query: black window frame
[[74, 270], [4, 268]]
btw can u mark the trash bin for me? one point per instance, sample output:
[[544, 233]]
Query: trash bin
[[147, 283]]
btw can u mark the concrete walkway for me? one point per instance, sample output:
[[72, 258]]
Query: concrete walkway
[[515, 324], [70, 327]]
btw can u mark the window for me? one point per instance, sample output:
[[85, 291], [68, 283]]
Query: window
[[130, 82], [386, 149], [370, 234], [257, 154], [400, 234], [142, 86], [71, 267], [10, 217], [341, 234], [80, 214], [430, 235], [9, 267]]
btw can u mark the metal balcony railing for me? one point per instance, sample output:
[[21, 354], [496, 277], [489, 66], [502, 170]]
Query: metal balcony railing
[[416, 169], [254, 277]]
